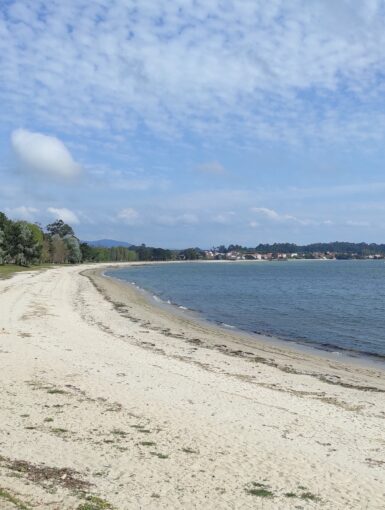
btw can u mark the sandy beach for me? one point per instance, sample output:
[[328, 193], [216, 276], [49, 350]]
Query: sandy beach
[[109, 402]]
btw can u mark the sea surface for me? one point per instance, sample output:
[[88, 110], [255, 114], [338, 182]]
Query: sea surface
[[333, 305]]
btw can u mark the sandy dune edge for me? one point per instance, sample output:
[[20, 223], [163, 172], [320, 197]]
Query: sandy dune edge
[[103, 397]]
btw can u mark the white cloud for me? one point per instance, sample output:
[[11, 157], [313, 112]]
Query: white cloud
[[250, 69], [272, 215], [224, 218], [43, 154], [177, 219], [129, 216], [64, 214], [212, 167], [22, 213]]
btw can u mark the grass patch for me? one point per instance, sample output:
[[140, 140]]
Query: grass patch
[[309, 496], [159, 455], [189, 450], [56, 391], [291, 495], [95, 503], [8, 270], [118, 432], [260, 490], [48, 420], [7, 496], [59, 430], [261, 493], [147, 443]]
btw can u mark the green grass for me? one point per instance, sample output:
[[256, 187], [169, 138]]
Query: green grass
[[262, 493], [56, 391], [7, 496], [260, 489], [309, 496], [9, 270], [159, 455], [189, 450], [59, 430], [291, 495], [95, 503]]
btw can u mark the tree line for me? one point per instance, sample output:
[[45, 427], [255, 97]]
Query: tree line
[[24, 243], [338, 247]]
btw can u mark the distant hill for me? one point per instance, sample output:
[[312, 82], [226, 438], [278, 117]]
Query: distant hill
[[108, 243]]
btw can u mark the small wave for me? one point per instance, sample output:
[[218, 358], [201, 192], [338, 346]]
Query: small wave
[[228, 325], [182, 307]]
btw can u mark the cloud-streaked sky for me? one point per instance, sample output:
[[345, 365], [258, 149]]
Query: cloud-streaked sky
[[195, 122]]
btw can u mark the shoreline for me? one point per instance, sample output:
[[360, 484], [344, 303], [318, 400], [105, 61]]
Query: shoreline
[[106, 401], [282, 354], [176, 310]]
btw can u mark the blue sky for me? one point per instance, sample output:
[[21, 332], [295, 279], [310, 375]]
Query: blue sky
[[195, 122]]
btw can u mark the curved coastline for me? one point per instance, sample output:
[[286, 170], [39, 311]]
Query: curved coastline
[[177, 310], [95, 376], [188, 325]]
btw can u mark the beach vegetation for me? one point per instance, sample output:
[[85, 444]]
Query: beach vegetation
[[189, 450], [260, 490], [94, 503], [160, 455], [309, 496], [56, 391], [7, 496], [59, 430]]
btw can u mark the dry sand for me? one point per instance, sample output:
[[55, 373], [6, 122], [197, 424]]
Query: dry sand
[[107, 402]]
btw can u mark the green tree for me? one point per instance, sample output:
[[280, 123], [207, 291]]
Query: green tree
[[73, 247], [3, 245], [24, 244], [60, 228]]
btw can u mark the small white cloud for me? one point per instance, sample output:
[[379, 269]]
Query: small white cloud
[[213, 167], [43, 154], [268, 213], [358, 223], [272, 215], [254, 224], [64, 214], [224, 218], [22, 213], [129, 216], [182, 219]]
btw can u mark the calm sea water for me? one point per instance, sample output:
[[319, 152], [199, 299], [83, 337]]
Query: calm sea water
[[331, 304]]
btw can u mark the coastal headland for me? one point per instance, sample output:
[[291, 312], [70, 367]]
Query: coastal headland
[[109, 402]]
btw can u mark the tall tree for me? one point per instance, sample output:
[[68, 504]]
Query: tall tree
[[60, 228], [73, 247], [24, 243], [3, 245]]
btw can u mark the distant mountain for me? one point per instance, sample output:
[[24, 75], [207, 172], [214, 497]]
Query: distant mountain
[[108, 243]]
